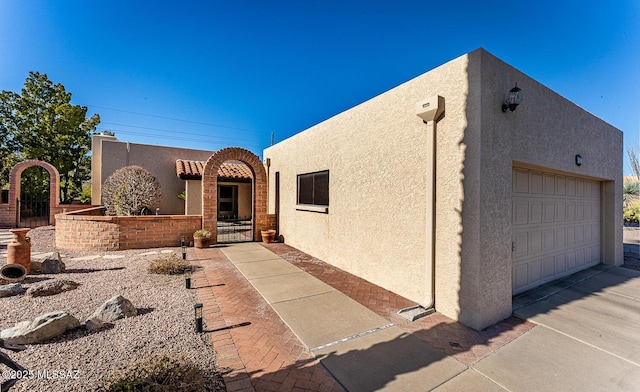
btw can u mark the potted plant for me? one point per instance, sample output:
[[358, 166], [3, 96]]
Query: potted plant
[[202, 238], [268, 236]]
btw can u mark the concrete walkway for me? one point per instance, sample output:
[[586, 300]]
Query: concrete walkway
[[361, 349], [585, 338]]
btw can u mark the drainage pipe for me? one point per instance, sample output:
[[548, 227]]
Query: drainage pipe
[[430, 110]]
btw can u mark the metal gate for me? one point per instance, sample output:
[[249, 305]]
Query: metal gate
[[32, 211], [235, 230]]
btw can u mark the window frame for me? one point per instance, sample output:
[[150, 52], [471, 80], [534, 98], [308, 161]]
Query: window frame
[[317, 199]]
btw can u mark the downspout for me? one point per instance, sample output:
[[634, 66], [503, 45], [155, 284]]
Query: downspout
[[430, 111]]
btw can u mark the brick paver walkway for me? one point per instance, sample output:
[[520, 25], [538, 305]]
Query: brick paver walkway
[[257, 351]]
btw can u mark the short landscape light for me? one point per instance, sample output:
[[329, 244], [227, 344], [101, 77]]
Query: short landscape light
[[513, 100], [183, 245], [187, 277], [198, 313]]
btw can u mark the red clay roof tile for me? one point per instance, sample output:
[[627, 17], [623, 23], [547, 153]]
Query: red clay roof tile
[[192, 170]]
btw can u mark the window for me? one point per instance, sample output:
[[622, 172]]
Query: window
[[313, 188]]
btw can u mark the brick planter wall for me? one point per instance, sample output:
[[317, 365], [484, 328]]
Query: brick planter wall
[[81, 231]]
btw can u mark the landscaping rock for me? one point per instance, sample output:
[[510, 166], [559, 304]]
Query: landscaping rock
[[36, 267], [43, 328], [53, 264], [9, 290], [114, 309], [51, 287]]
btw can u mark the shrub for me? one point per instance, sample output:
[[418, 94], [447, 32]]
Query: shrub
[[158, 373], [130, 190], [632, 213], [168, 265], [202, 233]]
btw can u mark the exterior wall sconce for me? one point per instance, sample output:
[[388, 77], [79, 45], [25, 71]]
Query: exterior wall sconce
[[198, 313], [513, 100], [187, 277]]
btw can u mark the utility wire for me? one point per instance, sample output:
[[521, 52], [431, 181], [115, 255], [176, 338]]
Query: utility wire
[[172, 119], [199, 139], [167, 130]]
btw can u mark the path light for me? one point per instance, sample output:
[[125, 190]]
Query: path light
[[183, 245], [187, 277], [513, 100], [198, 312]]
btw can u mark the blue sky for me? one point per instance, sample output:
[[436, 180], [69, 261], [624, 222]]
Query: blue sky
[[210, 74]]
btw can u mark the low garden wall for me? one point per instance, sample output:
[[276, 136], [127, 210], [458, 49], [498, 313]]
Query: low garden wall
[[89, 230]]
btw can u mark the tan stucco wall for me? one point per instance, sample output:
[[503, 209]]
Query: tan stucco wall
[[546, 131], [193, 193], [159, 161], [375, 152]]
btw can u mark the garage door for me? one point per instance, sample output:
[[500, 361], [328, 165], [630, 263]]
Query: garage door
[[556, 226]]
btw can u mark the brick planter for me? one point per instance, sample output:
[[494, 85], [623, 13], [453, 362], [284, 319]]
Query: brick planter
[[80, 231]]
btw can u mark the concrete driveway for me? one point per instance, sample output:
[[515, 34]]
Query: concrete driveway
[[587, 338]]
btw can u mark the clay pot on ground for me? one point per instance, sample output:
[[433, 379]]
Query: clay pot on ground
[[19, 251], [201, 242], [13, 273], [202, 239], [268, 236]]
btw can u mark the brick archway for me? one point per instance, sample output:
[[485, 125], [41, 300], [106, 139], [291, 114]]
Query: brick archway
[[210, 189], [14, 186]]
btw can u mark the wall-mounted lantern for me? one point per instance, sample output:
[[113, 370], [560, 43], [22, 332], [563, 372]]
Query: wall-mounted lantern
[[513, 100]]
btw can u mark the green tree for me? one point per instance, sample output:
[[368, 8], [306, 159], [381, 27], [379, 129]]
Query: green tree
[[41, 123]]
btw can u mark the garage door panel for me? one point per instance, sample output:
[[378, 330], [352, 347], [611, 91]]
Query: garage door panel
[[520, 213], [556, 226], [535, 212]]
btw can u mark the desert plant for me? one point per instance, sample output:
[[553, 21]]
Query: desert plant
[[168, 265], [203, 233], [158, 373], [130, 190], [632, 213]]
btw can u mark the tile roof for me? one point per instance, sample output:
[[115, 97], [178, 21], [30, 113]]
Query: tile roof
[[232, 170]]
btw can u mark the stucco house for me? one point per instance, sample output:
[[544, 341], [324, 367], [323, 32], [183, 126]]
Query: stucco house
[[177, 170], [438, 192]]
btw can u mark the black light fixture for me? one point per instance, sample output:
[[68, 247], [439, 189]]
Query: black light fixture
[[187, 277], [513, 100], [198, 313], [183, 245]]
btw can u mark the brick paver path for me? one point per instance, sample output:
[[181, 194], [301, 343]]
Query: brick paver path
[[257, 351]]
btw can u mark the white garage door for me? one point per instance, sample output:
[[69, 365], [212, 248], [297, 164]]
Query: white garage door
[[556, 226]]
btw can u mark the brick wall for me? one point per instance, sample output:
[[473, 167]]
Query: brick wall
[[78, 231]]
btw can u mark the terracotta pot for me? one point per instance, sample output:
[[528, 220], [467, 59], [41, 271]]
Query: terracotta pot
[[201, 242], [268, 236], [19, 251], [13, 273]]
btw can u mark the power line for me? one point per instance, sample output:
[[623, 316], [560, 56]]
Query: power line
[[165, 130], [172, 119], [199, 139]]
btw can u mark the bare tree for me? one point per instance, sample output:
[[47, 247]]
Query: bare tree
[[129, 190]]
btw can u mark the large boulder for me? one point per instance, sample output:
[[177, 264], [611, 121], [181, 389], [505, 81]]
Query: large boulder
[[51, 287], [52, 264], [114, 309], [7, 290], [43, 328]]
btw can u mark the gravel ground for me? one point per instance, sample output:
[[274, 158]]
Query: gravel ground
[[164, 323]]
